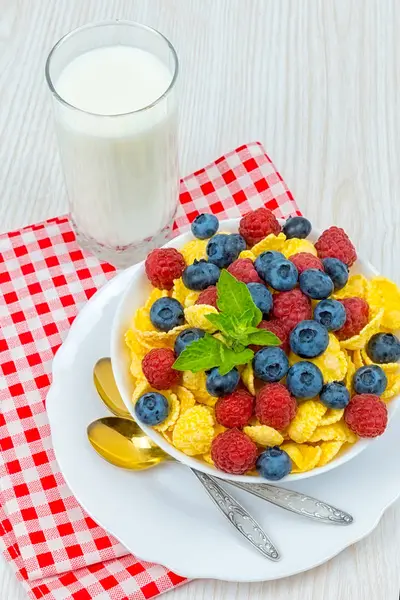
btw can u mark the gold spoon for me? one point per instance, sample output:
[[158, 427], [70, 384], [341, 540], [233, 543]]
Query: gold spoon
[[121, 442]]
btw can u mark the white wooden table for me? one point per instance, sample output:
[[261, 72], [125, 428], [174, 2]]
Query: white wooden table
[[318, 82]]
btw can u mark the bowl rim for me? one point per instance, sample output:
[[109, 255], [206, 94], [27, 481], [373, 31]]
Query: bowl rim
[[120, 369]]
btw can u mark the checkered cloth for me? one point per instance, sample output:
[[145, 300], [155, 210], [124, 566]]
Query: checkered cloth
[[56, 550]]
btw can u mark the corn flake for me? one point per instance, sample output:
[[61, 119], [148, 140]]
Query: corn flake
[[179, 291], [194, 431], [332, 415], [386, 294], [136, 366], [328, 451], [196, 383], [159, 339], [208, 459], [194, 250], [338, 432], [248, 378], [359, 341], [191, 298], [141, 320], [218, 428], [303, 456], [351, 369], [264, 435], [296, 245], [309, 414], [196, 316], [393, 386], [142, 387], [357, 286], [185, 397], [133, 344], [247, 254], [389, 368], [271, 242], [357, 359], [332, 362]]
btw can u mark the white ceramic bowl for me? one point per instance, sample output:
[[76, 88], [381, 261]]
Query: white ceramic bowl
[[134, 297]]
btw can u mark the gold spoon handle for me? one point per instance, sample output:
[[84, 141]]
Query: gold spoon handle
[[238, 516]]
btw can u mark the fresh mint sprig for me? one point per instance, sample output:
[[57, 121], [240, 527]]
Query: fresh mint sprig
[[237, 321]]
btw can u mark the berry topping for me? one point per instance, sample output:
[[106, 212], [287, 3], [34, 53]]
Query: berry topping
[[274, 464], [200, 275], [304, 380], [357, 313], [370, 379], [270, 364], [281, 275], [261, 296], [309, 339], [235, 410], [338, 271], [335, 395], [157, 368], [233, 452], [316, 284], [162, 266], [297, 227], [304, 261], [243, 269], [166, 313], [186, 337], [152, 408], [275, 406], [366, 415], [204, 226], [384, 348], [291, 308], [256, 225], [334, 243], [220, 385], [330, 313]]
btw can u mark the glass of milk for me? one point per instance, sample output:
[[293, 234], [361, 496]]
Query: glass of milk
[[114, 94]]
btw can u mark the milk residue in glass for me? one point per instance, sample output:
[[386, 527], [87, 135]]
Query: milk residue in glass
[[120, 166]]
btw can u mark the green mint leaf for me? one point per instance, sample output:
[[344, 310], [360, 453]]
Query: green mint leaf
[[224, 323], [234, 299], [201, 355], [263, 337], [232, 359]]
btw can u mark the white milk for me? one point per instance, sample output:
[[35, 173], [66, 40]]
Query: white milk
[[121, 171]]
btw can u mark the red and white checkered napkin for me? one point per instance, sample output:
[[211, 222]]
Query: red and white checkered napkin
[[56, 550]]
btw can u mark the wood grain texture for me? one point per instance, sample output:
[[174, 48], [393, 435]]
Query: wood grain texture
[[318, 82]]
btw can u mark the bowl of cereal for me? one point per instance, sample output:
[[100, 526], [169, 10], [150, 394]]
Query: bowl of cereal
[[258, 350]]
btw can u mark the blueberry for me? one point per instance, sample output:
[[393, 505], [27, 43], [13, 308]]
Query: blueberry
[[186, 337], [152, 408], [166, 313], [262, 297], [204, 226], [384, 348], [304, 380], [370, 379], [330, 313], [221, 385], [274, 464], [337, 270], [270, 364], [309, 339], [263, 262], [282, 275], [235, 244], [335, 395], [223, 249], [297, 227], [315, 284], [200, 275]]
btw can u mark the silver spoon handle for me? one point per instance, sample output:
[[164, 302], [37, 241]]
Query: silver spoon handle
[[307, 506], [238, 517]]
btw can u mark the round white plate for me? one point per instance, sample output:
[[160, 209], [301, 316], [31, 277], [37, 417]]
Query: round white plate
[[163, 515]]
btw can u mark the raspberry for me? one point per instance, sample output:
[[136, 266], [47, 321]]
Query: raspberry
[[357, 314], [243, 269], [235, 410], [275, 406], [157, 368], [278, 328], [291, 307], [208, 296], [334, 243], [233, 452], [305, 260], [256, 225], [366, 415], [162, 266]]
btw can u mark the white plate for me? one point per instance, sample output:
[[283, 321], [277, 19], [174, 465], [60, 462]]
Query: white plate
[[163, 515]]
